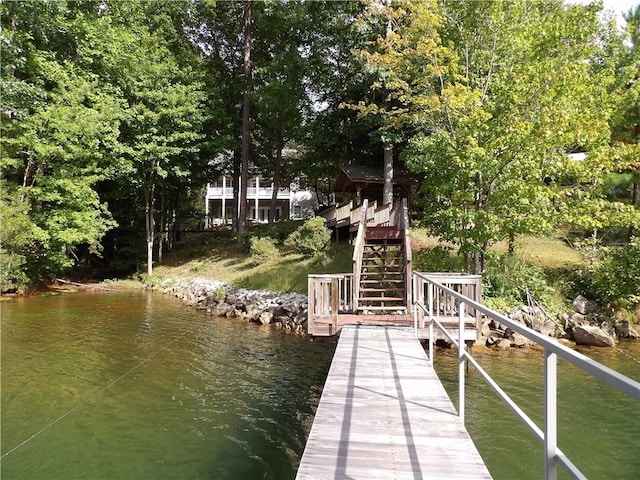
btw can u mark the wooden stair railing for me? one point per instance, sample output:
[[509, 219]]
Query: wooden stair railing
[[358, 249]]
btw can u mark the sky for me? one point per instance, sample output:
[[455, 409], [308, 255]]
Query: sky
[[618, 6]]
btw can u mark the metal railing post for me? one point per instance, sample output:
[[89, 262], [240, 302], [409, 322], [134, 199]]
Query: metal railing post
[[461, 307], [414, 296], [430, 299], [440, 294], [550, 414]]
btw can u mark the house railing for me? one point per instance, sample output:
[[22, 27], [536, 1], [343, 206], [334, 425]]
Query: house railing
[[548, 434], [252, 193]]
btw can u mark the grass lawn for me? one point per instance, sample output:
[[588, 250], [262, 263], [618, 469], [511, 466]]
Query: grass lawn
[[219, 258], [543, 251]]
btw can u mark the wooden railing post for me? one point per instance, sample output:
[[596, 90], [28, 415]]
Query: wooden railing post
[[335, 303], [311, 304]]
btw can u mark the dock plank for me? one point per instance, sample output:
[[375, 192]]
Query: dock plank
[[384, 414]]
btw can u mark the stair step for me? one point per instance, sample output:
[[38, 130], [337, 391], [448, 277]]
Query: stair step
[[397, 307], [390, 268], [381, 275], [395, 289], [395, 246], [381, 299], [378, 281], [383, 233]]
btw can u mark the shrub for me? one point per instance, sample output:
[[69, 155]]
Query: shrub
[[512, 278], [278, 232], [263, 250], [311, 238], [612, 279], [437, 259]]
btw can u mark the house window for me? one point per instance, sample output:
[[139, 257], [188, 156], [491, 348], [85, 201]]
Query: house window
[[297, 211], [264, 214]]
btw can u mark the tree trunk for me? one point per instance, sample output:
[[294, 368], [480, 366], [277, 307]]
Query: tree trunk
[[512, 243], [387, 195], [149, 225], [163, 229], [236, 192], [276, 178], [244, 168], [635, 196]]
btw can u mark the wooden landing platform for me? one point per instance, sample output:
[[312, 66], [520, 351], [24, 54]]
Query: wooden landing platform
[[385, 415]]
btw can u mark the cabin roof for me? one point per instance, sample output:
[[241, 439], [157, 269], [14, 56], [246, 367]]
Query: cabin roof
[[350, 176]]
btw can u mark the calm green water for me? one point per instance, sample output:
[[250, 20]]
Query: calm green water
[[599, 428], [137, 386], [151, 389]]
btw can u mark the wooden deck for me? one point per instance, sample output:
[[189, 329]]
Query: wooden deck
[[385, 415]]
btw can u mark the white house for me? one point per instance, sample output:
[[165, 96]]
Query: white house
[[292, 202]]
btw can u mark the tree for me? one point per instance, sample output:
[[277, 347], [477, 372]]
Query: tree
[[56, 142], [335, 134], [103, 102], [519, 91], [625, 122], [281, 99], [161, 129], [246, 133]]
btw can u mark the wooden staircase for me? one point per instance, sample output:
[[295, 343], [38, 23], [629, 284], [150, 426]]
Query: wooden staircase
[[383, 281]]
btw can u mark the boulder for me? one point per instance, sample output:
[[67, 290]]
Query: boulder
[[625, 330], [578, 319], [584, 305], [486, 329], [536, 319], [592, 336], [519, 340], [265, 318]]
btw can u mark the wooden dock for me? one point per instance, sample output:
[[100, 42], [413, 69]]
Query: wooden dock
[[385, 415]]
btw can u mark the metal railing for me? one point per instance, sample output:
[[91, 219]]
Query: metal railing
[[548, 435]]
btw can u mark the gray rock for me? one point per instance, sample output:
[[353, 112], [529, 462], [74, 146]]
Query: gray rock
[[519, 340], [578, 319], [625, 330], [265, 318], [592, 336], [584, 306]]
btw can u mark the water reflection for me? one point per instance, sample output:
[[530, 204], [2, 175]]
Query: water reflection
[[599, 428], [204, 397]]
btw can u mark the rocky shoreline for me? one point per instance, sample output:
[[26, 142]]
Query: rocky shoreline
[[587, 325], [284, 310]]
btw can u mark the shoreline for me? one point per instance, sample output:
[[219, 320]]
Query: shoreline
[[288, 311]]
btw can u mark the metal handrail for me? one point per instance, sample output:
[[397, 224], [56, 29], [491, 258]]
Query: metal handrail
[[548, 435]]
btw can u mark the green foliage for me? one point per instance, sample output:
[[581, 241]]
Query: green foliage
[[491, 135], [440, 258], [277, 232], [513, 279], [19, 238], [310, 239], [611, 279], [263, 250]]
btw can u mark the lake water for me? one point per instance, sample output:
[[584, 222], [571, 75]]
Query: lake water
[[135, 385], [138, 386]]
